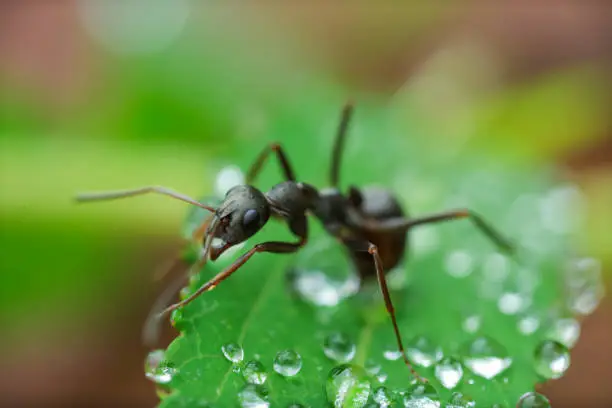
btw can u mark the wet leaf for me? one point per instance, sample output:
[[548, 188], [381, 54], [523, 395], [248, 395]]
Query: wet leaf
[[486, 312]]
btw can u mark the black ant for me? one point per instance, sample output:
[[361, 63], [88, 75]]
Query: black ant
[[368, 221]]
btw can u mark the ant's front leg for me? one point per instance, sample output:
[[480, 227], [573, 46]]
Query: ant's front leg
[[271, 246], [263, 156]]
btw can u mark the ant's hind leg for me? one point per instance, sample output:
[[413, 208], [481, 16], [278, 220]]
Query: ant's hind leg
[[403, 224]]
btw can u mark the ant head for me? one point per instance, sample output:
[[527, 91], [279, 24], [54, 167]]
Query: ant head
[[244, 211]]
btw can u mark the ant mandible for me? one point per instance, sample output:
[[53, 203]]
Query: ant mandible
[[369, 221]]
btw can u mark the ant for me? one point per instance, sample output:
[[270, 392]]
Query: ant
[[369, 221]]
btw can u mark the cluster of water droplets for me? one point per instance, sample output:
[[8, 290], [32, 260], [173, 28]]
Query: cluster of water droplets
[[323, 276]]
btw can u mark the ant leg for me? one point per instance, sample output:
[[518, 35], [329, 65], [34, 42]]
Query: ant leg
[[334, 175], [382, 283], [272, 246], [263, 156], [403, 224], [112, 195]]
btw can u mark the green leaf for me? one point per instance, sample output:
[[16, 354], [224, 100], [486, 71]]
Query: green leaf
[[458, 300]]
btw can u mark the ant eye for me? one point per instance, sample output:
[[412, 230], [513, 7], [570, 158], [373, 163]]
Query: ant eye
[[251, 219]]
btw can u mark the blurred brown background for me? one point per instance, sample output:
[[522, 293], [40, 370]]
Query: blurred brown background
[[48, 55]]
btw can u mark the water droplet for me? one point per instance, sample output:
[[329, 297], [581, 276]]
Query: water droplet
[[566, 331], [287, 363], [485, 357], [157, 369], [348, 386], [533, 400], [449, 372], [496, 267], [233, 352], [228, 177], [471, 324], [392, 354], [421, 395], [253, 396], [552, 359], [422, 352], [458, 400], [372, 367], [322, 274], [459, 264], [254, 372], [528, 325], [511, 303], [339, 347], [383, 397], [584, 282]]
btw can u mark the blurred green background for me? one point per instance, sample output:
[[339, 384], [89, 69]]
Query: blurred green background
[[105, 95]]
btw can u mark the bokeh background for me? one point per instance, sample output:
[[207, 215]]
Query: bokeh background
[[107, 94]]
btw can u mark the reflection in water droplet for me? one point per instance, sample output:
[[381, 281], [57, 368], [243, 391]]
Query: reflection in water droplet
[[157, 369], [458, 400], [566, 331], [449, 372], [233, 352], [254, 372], [533, 400], [485, 357], [471, 324], [383, 397], [322, 274], [253, 396], [339, 347], [459, 264], [422, 352], [528, 325], [511, 303], [348, 386], [551, 359], [287, 363], [421, 395]]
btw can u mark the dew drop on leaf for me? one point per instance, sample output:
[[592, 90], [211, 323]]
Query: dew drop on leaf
[[551, 359], [458, 400], [383, 397], [392, 355], [254, 372], [566, 331], [533, 400], [253, 396], [348, 386], [157, 369], [485, 357], [322, 274], [528, 325], [339, 347], [449, 372], [421, 395], [287, 363], [233, 352], [422, 352]]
